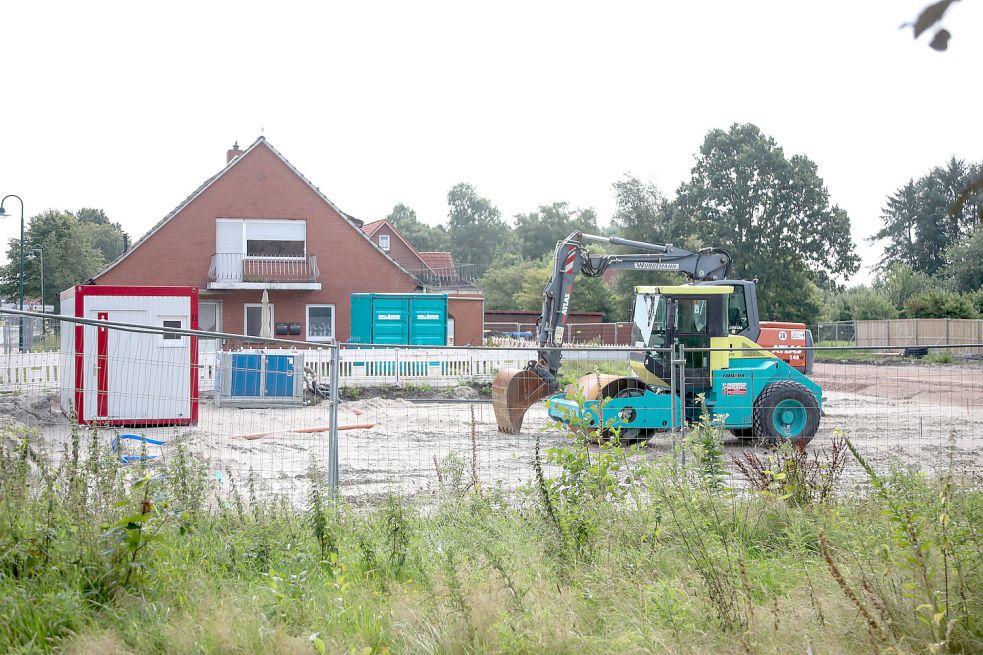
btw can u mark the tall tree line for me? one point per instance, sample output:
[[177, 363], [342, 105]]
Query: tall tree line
[[771, 211]]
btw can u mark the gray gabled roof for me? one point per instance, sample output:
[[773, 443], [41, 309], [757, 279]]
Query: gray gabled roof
[[352, 222]]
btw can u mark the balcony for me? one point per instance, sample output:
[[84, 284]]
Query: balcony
[[229, 270], [449, 278]]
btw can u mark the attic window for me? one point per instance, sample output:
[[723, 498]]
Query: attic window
[[384, 242]]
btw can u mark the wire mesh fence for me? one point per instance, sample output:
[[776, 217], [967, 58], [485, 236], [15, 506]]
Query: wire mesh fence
[[416, 421]]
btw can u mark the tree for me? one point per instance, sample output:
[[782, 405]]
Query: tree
[[941, 304], [475, 228], [106, 236], [899, 281], [964, 267], [924, 218], [772, 213], [423, 237], [641, 213], [589, 294], [537, 232], [862, 303], [73, 252], [503, 279]]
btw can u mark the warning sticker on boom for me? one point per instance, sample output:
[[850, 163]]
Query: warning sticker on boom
[[735, 389]]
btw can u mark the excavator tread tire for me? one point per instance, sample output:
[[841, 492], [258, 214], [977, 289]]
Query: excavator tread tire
[[785, 411]]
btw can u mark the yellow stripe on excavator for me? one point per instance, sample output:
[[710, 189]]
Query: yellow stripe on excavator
[[688, 289], [723, 349]]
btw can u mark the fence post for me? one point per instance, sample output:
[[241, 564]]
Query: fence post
[[333, 472]]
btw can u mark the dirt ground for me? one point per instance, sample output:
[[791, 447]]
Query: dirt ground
[[926, 416]]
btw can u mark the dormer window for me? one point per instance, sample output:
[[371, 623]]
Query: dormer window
[[384, 242]]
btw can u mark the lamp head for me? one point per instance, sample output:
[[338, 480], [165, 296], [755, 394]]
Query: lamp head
[[3, 212]]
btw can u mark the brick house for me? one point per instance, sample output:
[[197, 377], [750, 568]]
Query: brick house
[[435, 269], [260, 225]]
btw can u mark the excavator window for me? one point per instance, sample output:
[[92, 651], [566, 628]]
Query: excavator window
[[737, 320]]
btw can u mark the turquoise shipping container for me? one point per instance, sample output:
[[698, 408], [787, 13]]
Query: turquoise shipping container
[[417, 319]]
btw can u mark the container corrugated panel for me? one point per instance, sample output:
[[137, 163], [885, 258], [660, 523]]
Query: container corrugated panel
[[361, 331], [390, 318], [395, 319], [428, 320]]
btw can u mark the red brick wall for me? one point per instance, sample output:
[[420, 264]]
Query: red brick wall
[[260, 185], [399, 251], [468, 312]]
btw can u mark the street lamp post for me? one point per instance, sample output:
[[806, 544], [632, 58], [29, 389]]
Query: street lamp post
[[38, 251], [3, 213]]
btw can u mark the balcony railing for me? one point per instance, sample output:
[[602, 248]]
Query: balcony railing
[[236, 267], [462, 276]]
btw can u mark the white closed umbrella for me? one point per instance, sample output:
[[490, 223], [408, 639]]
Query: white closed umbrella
[[266, 317]]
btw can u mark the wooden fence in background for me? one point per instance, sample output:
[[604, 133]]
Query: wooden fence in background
[[909, 332]]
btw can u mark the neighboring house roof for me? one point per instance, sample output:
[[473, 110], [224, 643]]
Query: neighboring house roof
[[354, 222], [373, 227], [437, 260]]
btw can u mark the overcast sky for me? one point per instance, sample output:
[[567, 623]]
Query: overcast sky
[[129, 106]]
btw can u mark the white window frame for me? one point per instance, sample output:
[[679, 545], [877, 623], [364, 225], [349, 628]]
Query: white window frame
[[218, 314], [245, 318], [384, 246], [172, 342], [266, 221], [307, 322]]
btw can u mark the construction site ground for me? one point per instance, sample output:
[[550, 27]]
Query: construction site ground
[[929, 416]]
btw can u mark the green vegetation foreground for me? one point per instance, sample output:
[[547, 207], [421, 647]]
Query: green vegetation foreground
[[605, 555]]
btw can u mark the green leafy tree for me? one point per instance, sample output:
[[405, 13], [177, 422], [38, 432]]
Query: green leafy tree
[[73, 252], [941, 304], [589, 294], [862, 303], [899, 282], [925, 217], [772, 213], [641, 213], [423, 237], [475, 228], [503, 279], [964, 267], [537, 232]]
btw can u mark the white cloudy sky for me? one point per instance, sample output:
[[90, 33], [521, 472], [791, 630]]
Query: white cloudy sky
[[128, 106]]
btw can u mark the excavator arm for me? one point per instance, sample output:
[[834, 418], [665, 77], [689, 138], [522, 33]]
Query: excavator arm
[[515, 390]]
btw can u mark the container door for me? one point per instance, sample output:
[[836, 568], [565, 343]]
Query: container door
[[246, 374], [361, 319], [428, 320], [389, 316], [280, 375]]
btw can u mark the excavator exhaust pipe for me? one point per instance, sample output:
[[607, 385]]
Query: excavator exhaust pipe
[[514, 391]]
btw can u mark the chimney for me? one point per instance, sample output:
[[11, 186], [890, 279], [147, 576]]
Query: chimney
[[232, 154]]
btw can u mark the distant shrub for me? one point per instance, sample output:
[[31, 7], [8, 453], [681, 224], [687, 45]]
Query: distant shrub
[[941, 304]]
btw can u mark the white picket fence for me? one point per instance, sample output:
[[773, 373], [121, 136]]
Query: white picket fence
[[435, 367]]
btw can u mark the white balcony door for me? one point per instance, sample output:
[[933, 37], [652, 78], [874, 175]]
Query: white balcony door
[[229, 250]]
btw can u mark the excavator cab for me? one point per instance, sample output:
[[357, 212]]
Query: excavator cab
[[665, 316]]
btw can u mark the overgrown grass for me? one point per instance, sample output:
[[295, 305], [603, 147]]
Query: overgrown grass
[[612, 554]]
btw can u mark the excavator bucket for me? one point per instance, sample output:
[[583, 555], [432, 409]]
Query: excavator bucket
[[513, 392]]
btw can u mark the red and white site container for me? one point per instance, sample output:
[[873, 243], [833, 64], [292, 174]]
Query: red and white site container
[[111, 376]]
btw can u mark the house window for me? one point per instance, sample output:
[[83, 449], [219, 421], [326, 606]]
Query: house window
[[254, 320], [384, 241], [209, 316], [168, 338], [320, 322], [274, 248]]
